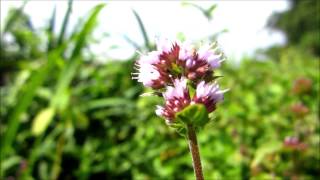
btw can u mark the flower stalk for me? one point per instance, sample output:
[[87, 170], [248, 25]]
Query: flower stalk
[[184, 77], [194, 150]]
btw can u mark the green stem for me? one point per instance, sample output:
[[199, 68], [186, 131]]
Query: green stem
[[194, 150]]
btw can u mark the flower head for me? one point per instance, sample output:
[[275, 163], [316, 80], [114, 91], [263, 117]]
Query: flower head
[[148, 73], [174, 60], [178, 97], [178, 68], [183, 71]]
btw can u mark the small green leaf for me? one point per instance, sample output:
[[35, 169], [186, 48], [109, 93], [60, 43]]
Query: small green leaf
[[179, 126], [195, 115], [42, 121], [191, 88], [264, 150], [9, 163]]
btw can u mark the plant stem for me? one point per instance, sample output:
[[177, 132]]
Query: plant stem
[[194, 150]]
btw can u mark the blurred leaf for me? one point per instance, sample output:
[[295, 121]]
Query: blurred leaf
[[42, 121], [50, 31], [43, 170], [72, 66], [103, 103], [81, 120], [86, 30], [206, 12], [143, 30], [13, 18], [265, 150], [65, 23], [130, 41], [9, 163], [25, 100]]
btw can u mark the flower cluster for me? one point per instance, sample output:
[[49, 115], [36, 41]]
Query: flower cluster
[[178, 68], [294, 143]]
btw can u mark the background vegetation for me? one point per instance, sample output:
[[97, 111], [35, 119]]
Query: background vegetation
[[66, 116]]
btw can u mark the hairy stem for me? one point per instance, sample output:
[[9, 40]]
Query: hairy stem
[[194, 150]]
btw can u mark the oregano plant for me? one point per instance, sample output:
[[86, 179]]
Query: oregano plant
[[184, 76]]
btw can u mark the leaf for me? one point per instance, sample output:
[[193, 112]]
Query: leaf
[[107, 102], [61, 101], [206, 12], [50, 31], [42, 121], [81, 120], [43, 170], [71, 68], [130, 41], [195, 115], [9, 163], [65, 23], [25, 99], [264, 150], [12, 19], [143, 30], [179, 126], [210, 10], [86, 30], [191, 88]]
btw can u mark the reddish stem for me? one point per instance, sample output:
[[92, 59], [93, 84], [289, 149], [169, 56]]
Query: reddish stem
[[194, 150]]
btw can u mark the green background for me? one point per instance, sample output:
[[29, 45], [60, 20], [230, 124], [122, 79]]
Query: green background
[[66, 116]]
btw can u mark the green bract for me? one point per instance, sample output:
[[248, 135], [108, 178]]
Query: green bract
[[195, 115]]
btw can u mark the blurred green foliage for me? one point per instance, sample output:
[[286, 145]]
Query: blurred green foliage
[[66, 116]]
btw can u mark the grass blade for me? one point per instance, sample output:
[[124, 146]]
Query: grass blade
[[27, 94], [50, 31], [143, 30], [106, 102], [130, 41], [65, 23], [70, 70], [86, 30]]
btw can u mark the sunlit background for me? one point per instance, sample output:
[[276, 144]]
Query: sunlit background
[[70, 110], [244, 22]]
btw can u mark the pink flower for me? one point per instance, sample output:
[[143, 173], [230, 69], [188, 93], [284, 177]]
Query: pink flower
[[178, 97], [174, 60], [210, 55], [148, 73], [172, 66], [209, 95]]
